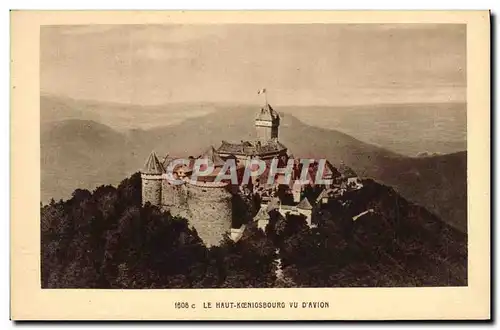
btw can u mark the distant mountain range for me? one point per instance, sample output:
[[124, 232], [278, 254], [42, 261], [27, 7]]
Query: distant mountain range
[[85, 144], [407, 129]]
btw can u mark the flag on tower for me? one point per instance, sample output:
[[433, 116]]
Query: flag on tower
[[261, 91]]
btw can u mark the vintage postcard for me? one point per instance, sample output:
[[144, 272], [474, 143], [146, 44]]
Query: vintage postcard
[[250, 165]]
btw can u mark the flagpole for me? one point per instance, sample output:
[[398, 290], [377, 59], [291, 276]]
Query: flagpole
[[263, 91]]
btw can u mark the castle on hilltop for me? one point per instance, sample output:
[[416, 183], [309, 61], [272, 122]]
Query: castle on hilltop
[[209, 204]]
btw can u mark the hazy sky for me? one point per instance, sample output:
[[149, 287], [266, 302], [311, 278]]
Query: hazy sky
[[322, 64]]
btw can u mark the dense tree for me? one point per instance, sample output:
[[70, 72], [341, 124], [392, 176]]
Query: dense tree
[[398, 244], [107, 239], [250, 262]]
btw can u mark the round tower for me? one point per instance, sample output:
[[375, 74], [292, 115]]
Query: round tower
[[210, 205], [210, 202], [151, 178]]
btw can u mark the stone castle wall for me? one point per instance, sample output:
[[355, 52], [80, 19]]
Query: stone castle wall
[[263, 133], [210, 211], [174, 195], [207, 206], [151, 189]]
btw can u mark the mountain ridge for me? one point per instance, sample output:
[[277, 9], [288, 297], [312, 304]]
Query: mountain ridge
[[104, 155], [410, 129]]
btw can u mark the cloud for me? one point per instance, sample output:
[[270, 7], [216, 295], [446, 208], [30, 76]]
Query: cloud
[[306, 63]]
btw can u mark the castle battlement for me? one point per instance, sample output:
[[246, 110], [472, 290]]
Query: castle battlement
[[152, 176], [206, 184]]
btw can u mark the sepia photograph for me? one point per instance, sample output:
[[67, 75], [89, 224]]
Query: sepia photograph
[[253, 155], [377, 111]]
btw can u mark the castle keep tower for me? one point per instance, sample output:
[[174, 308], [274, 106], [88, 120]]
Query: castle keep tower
[[267, 122], [151, 178]]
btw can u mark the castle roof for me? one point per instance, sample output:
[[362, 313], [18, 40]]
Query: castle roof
[[263, 214], [153, 165], [212, 155], [252, 148], [329, 171], [267, 113], [322, 194], [327, 193], [304, 204]]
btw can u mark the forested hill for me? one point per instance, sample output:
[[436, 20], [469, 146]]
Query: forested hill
[[398, 244], [106, 239]]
